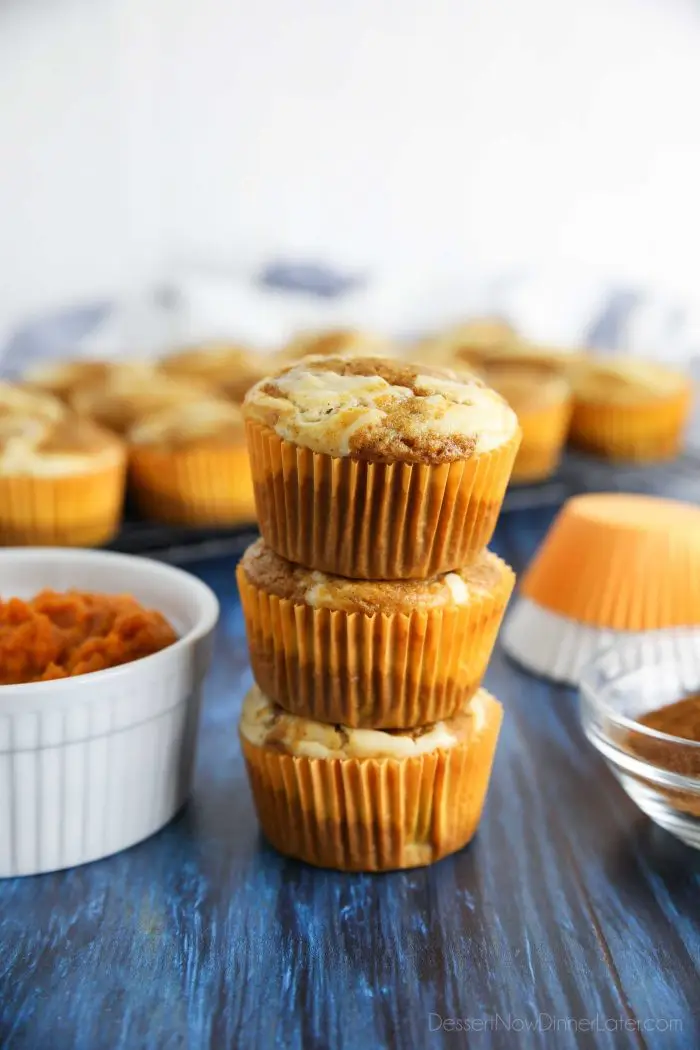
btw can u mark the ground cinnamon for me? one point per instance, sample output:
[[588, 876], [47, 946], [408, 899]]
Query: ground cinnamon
[[681, 719]]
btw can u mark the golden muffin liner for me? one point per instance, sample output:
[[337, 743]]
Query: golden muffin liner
[[374, 520], [646, 431], [374, 814], [387, 670], [197, 486], [544, 431], [80, 510], [620, 561]]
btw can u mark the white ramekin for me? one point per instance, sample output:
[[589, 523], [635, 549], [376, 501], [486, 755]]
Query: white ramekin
[[556, 647], [93, 764]]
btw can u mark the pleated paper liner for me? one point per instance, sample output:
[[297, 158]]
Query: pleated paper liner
[[373, 520], [620, 561], [544, 430], [208, 485], [374, 814], [647, 431], [387, 670], [80, 510]]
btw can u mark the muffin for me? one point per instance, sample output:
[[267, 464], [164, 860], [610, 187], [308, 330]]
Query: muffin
[[376, 469], [629, 409], [188, 465], [64, 378], [123, 398], [541, 399], [465, 345], [335, 341], [367, 799], [374, 655], [227, 369], [61, 480], [19, 400]]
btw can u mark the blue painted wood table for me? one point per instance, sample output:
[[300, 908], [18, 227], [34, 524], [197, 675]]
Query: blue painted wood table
[[569, 921]]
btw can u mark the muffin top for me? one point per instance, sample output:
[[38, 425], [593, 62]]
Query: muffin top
[[528, 384], [624, 379], [381, 410], [41, 447], [61, 378], [275, 575], [267, 725], [126, 397], [197, 423], [227, 368], [333, 342], [18, 400]]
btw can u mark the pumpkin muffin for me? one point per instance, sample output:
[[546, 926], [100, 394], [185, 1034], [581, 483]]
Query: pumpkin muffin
[[189, 465], [64, 378], [630, 409], [61, 480], [367, 799], [229, 370], [541, 398], [122, 398], [466, 344], [375, 655], [378, 469], [335, 341]]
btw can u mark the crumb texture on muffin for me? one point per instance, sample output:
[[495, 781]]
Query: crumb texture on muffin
[[264, 724], [273, 574], [196, 422], [381, 410]]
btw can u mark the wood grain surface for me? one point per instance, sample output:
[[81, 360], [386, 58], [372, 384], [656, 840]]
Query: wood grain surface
[[570, 920]]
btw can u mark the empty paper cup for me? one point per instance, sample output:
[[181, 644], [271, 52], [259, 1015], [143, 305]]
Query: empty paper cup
[[611, 566]]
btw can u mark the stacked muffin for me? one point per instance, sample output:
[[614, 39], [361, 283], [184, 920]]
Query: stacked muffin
[[372, 606]]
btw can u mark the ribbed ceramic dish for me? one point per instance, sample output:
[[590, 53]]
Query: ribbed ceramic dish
[[613, 566], [94, 764]]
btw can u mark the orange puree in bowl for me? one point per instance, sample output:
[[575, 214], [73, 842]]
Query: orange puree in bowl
[[59, 635]]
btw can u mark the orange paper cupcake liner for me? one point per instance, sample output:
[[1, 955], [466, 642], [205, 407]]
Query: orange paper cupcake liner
[[373, 520], [374, 814], [372, 671], [544, 432], [620, 561], [83, 510], [203, 486], [644, 432]]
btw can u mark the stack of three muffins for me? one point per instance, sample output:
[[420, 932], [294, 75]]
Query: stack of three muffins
[[372, 607]]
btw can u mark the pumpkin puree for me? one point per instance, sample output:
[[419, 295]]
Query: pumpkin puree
[[60, 635]]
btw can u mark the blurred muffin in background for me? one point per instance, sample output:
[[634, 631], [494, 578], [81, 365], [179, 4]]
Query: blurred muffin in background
[[64, 378], [19, 400], [123, 398], [228, 369], [61, 477], [541, 398], [466, 345], [188, 465], [629, 409], [333, 341]]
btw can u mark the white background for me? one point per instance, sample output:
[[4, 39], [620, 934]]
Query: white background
[[423, 134]]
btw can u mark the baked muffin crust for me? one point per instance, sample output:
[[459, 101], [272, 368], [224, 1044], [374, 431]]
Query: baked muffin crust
[[264, 724], [127, 397], [273, 574], [381, 410], [39, 447], [628, 379], [195, 423]]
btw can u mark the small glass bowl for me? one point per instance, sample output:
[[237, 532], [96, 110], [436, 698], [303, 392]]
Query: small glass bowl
[[661, 773]]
